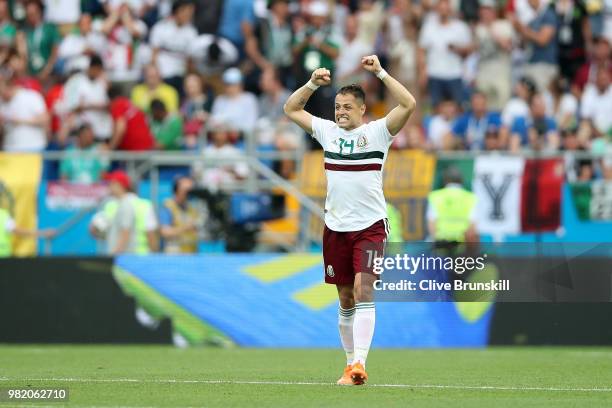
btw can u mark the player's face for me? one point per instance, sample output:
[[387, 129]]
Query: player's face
[[349, 111]]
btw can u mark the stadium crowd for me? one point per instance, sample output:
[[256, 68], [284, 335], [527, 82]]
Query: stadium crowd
[[137, 75]]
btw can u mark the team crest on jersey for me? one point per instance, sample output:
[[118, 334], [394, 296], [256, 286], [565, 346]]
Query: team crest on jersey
[[362, 141], [330, 271]]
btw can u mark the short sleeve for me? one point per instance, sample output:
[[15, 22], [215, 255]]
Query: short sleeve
[[38, 105], [383, 129], [464, 37], [460, 126], [156, 38], [320, 128], [424, 41], [151, 223], [495, 119], [549, 18], [126, 214]]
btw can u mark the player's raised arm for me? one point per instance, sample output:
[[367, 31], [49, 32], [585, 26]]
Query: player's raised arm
[[396, 119], [294, 107]]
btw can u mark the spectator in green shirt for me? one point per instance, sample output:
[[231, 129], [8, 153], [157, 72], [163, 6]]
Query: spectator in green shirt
[[84, 162], [7, 30], [166, 127], [317, 45], [41, 41]]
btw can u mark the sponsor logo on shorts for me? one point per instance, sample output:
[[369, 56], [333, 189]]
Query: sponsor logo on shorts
[[330, 271]]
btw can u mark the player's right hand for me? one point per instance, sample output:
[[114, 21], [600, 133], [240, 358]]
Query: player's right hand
[[321, 76]]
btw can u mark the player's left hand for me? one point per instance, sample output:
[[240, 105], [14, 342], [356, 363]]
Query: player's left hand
[[371, 64]]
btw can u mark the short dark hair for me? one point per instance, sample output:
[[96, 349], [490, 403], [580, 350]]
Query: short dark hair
[[158, 105], [96, 61], [179, 4], [353, 89], [115, 91]]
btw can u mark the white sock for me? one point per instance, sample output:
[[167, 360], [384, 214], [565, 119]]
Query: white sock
[[345, 326], [363, 330]]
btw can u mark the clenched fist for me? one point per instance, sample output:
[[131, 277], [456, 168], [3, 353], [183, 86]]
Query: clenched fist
[[371, 64], [321, 77]]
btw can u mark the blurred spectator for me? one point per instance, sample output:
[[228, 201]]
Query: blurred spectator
[[570, 143], [39, 41], [273, 96], [85, 97], [195, 109], [213, 54], [471, 127], [596, 105], [215, 177], [208, 15], [542, 49], [126, 221], [19, 68], [443, 43], [267, 46], [123, 32], [440, 126], [237, 17], [564, 104], [538, 130], [370, 16], [139, 8], [316, 45], [24, 118], [235, 106], [84, 161], [179, 220], [494, 37], [154, 88], [131, 131], [171, 40], [167, 127], [493, 141], [8, 31], [348, 64], [78, 45], [573, 35], [601, 58], [518, 105], [403, 23], [63, 13], [53, 98]]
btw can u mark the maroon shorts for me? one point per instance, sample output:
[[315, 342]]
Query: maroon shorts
[[346, 254]]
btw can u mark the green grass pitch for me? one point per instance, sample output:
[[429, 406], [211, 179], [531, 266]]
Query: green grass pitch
[[145, 376]]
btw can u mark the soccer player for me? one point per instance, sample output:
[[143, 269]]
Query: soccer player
[[355, 209]]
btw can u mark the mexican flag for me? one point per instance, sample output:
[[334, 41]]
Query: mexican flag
[[516, 195], [541, 195], [593, 200]]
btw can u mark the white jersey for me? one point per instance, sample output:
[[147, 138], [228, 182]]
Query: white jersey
[[353, 164]]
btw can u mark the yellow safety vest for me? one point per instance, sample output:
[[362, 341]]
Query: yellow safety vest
[[141, 208], [187, 243], [6, 248], [453, 206]]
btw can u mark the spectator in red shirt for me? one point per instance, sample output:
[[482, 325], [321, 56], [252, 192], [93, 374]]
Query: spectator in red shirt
[[19, 66], [130, 128], [601, 56]]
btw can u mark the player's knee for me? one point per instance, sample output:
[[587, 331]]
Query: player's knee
[[363, 293], [345, 296]]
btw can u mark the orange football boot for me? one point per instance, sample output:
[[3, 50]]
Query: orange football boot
[[346, 377], [358, 374]]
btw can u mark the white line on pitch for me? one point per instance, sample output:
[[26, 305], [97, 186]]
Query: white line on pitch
[[246, 382]]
